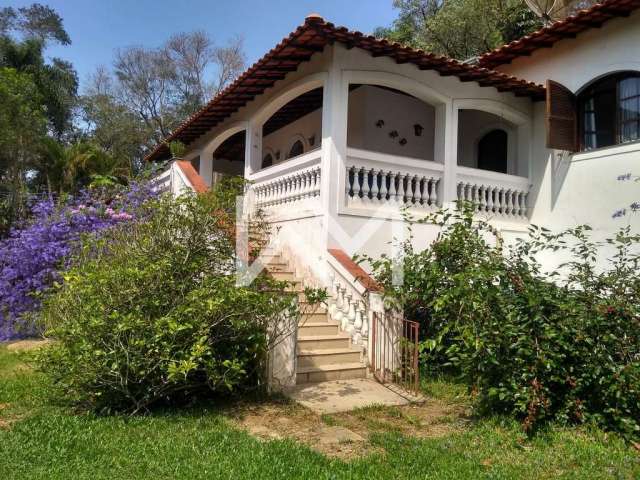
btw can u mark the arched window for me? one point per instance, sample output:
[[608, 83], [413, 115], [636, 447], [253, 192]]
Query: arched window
[[609, 111], [493, 151], [267, 161], [296, 149]]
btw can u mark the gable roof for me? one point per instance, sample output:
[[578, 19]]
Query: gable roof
[[570, 27], [309, 38]]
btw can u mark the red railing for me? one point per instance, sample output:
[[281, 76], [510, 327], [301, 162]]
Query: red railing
[[394, 351]]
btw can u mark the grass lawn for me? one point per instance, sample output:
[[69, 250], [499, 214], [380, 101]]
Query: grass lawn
[[39, 439]]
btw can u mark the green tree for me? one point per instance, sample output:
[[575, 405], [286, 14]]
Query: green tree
[[35, 21], [111, 123], [73, 167], [460, 29], [22, 129]]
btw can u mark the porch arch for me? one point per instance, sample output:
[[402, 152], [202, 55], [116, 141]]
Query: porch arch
[[438, 102], [290, 92], [398, 82], [514, 122], [219, 139]]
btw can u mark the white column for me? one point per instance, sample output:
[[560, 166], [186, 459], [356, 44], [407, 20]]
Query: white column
[[206, 165], [253, 148], [334, 141], [450, 154]]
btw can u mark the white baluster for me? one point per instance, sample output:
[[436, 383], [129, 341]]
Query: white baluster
[[359, 181], [337, 317], [476, 197], [509, 202], [401, 188], [523, 204], [332, 299], [365, 325], [433, 191], [483, 200], [344, 321], [349, 187], [383, 186], [304, 184], [351, 315], [393, 188], [374, 185], [423, 188], [316, 182], [490, 191], [357, 325]]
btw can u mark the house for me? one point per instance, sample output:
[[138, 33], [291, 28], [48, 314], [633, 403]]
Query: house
[[337, 131]]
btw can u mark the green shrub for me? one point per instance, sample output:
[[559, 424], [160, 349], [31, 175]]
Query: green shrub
[[563, 346], [151, 313]]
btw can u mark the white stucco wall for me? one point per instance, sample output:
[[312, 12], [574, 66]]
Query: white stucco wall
[[593, 53], [583, 188], [368, 104]]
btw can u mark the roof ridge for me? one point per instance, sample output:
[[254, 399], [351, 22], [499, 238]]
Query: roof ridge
[[568, 27]]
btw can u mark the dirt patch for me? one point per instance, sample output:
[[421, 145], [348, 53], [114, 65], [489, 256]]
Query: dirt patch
[[346, 435], [6, 420], [26, 345]]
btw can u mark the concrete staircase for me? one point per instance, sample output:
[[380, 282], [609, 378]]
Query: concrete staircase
[[324, 353]]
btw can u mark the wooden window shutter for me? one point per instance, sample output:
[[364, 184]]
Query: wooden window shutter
[[561, 118]]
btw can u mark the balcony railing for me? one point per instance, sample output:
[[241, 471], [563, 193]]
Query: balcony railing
[[375, 180], [377, 184], [296, 181], [493, 194]]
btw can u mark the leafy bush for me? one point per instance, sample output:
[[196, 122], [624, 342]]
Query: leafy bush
[[560, 346], [32, 255], [151, 313]]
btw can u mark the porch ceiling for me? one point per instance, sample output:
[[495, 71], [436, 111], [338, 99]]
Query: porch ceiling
[[299, 46]]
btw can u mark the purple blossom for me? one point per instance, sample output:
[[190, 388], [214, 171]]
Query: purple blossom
[[619, 213], [635, 206], [626, 176], [33, 255]]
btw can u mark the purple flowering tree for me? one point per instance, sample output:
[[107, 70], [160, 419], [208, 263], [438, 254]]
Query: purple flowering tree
[[33, 255]]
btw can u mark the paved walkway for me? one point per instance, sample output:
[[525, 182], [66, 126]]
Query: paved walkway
[[345, 395]]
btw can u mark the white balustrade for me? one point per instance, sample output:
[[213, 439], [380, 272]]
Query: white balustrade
[[374, 179], [297, 186], [492, 193], [375, 187]]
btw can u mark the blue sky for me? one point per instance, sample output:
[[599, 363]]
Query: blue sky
[[98, 28]]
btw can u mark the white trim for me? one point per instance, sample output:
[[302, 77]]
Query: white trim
[[500, 109], [302, 161], [405, 84], [603, 152], [475, 175], [385, 159], [219, 139], [291, 92]]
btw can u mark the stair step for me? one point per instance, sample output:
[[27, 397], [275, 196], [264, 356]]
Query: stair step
[[311, 316], [285, 276], [277, 267], [328, 356], [318, 328], [317, 342], [342, 371]]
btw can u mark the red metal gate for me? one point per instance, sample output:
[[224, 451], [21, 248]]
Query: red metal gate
[[394, 351]]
